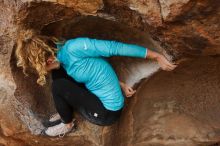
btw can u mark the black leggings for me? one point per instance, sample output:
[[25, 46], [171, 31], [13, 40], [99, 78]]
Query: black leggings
[[70, 95]]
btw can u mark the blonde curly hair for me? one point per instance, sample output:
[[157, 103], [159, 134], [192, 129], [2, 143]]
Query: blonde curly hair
[[33, 51]]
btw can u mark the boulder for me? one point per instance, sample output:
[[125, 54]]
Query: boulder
[[169, 109]]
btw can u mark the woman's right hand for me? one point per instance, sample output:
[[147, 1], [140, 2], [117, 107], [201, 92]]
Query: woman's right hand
[[165, 64], [162, 60]]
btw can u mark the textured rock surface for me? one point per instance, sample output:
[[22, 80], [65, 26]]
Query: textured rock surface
[[171, 9], [175, 109], [183, 28], [170, 109], [149, 10]]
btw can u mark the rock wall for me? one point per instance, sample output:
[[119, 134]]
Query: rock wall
[[162, 109], [175, 109], [182, 27]]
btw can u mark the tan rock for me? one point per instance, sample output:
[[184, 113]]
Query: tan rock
[[173, 109], [149, 9], [173, 8], [170, 109]]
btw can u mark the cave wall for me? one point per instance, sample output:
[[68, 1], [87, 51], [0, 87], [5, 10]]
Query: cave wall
[[180, 29], [180, 108], [183, 27]]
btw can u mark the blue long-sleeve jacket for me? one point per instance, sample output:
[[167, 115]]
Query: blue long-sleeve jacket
[[83, 59]]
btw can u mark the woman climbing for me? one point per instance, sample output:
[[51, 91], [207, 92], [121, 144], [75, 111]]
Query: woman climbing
[[99, 99]]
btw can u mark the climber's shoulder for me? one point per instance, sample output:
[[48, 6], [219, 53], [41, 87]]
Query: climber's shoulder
[[76, 43]]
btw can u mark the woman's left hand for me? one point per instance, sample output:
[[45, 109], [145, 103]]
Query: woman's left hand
[[128, 91]]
